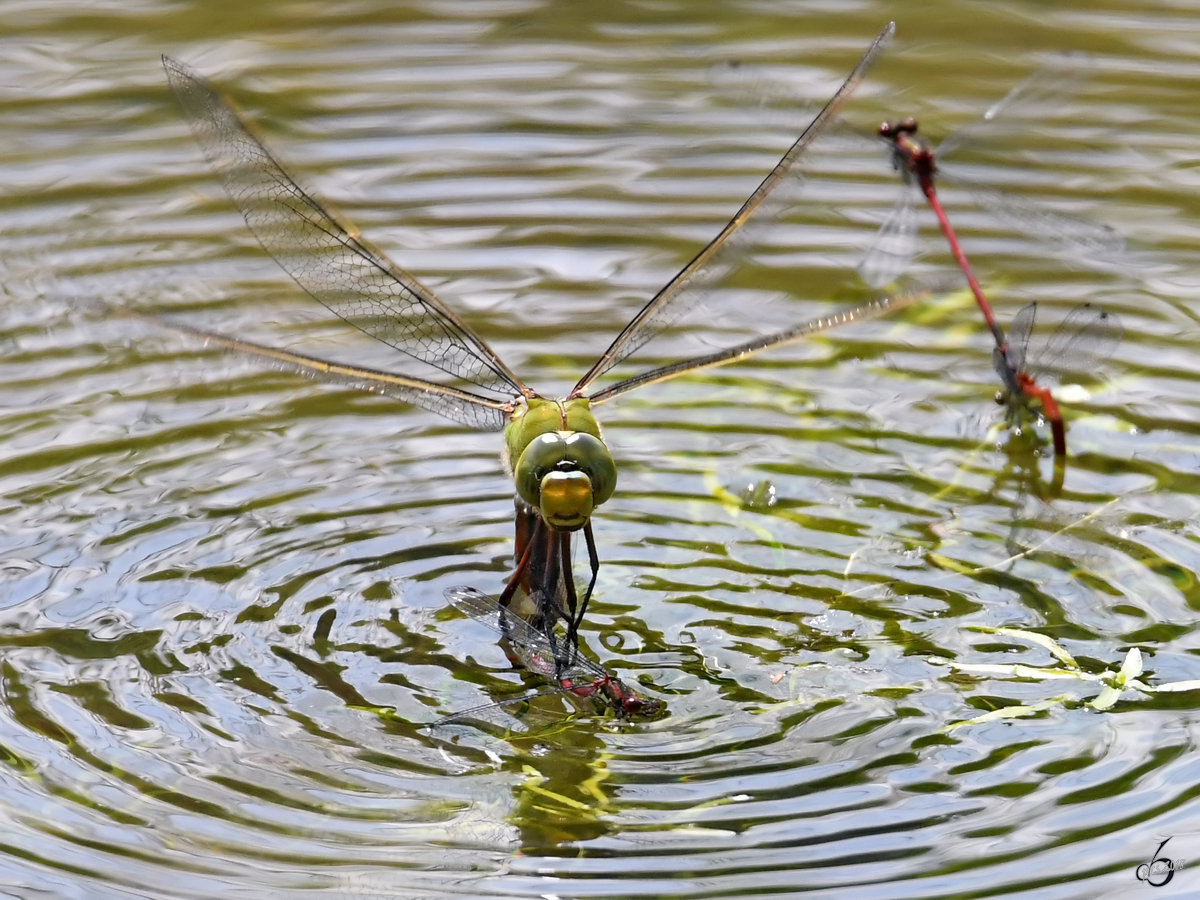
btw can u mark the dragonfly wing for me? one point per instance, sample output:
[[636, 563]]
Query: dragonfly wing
[[461, 406], [1072, 236], [504, 713], [1087, 336], [327, 257], [581, 677], [534, 648], [1045, 90], [484, 609], [869, 310], [1017, 340], [893, 249], [686, 290]]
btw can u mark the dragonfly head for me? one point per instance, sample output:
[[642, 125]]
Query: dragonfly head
[[637, 705], [559, 461], [911, 156], [893, 130], [566, 475]]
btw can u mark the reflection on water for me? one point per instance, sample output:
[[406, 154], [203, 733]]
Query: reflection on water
[[222, 629]]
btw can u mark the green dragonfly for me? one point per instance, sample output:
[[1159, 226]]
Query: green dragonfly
[[553, 447]]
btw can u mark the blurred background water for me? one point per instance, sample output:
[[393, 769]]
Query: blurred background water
[[222, 619]]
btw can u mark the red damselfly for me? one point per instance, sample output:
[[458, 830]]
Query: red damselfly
[[575, 675]]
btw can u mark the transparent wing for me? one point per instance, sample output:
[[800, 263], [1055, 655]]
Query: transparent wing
[[1044, 88], [731, 354], [1087, 336], [462, 406], [327, 257], [1017, 339], [894, 246], [1043, 91], [505, 713], [1071, 235], [534, 648], [685, 291]]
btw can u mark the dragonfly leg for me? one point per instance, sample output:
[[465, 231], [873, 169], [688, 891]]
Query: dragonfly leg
[[537, 572], [545, 583], [544, 573], [572, 612], [594, 563], [526, 553]]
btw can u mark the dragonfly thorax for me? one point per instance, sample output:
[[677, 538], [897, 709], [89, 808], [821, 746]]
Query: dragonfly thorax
[[1008, 371], [560, 463], [911, 155]]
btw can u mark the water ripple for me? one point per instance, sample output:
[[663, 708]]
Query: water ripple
[[222, 628]]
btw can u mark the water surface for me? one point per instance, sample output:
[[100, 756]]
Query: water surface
[[223, 622]]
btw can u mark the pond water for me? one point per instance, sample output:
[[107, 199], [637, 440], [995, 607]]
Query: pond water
[[222, 621]]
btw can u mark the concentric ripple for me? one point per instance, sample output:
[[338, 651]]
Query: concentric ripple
[[223, 636]]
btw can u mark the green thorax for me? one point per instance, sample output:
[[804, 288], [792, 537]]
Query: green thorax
[[539, 416]]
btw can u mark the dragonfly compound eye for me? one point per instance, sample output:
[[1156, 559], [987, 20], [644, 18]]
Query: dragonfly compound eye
[[566, 475]]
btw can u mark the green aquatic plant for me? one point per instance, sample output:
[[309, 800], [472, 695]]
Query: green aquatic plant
[[1114, 681]]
